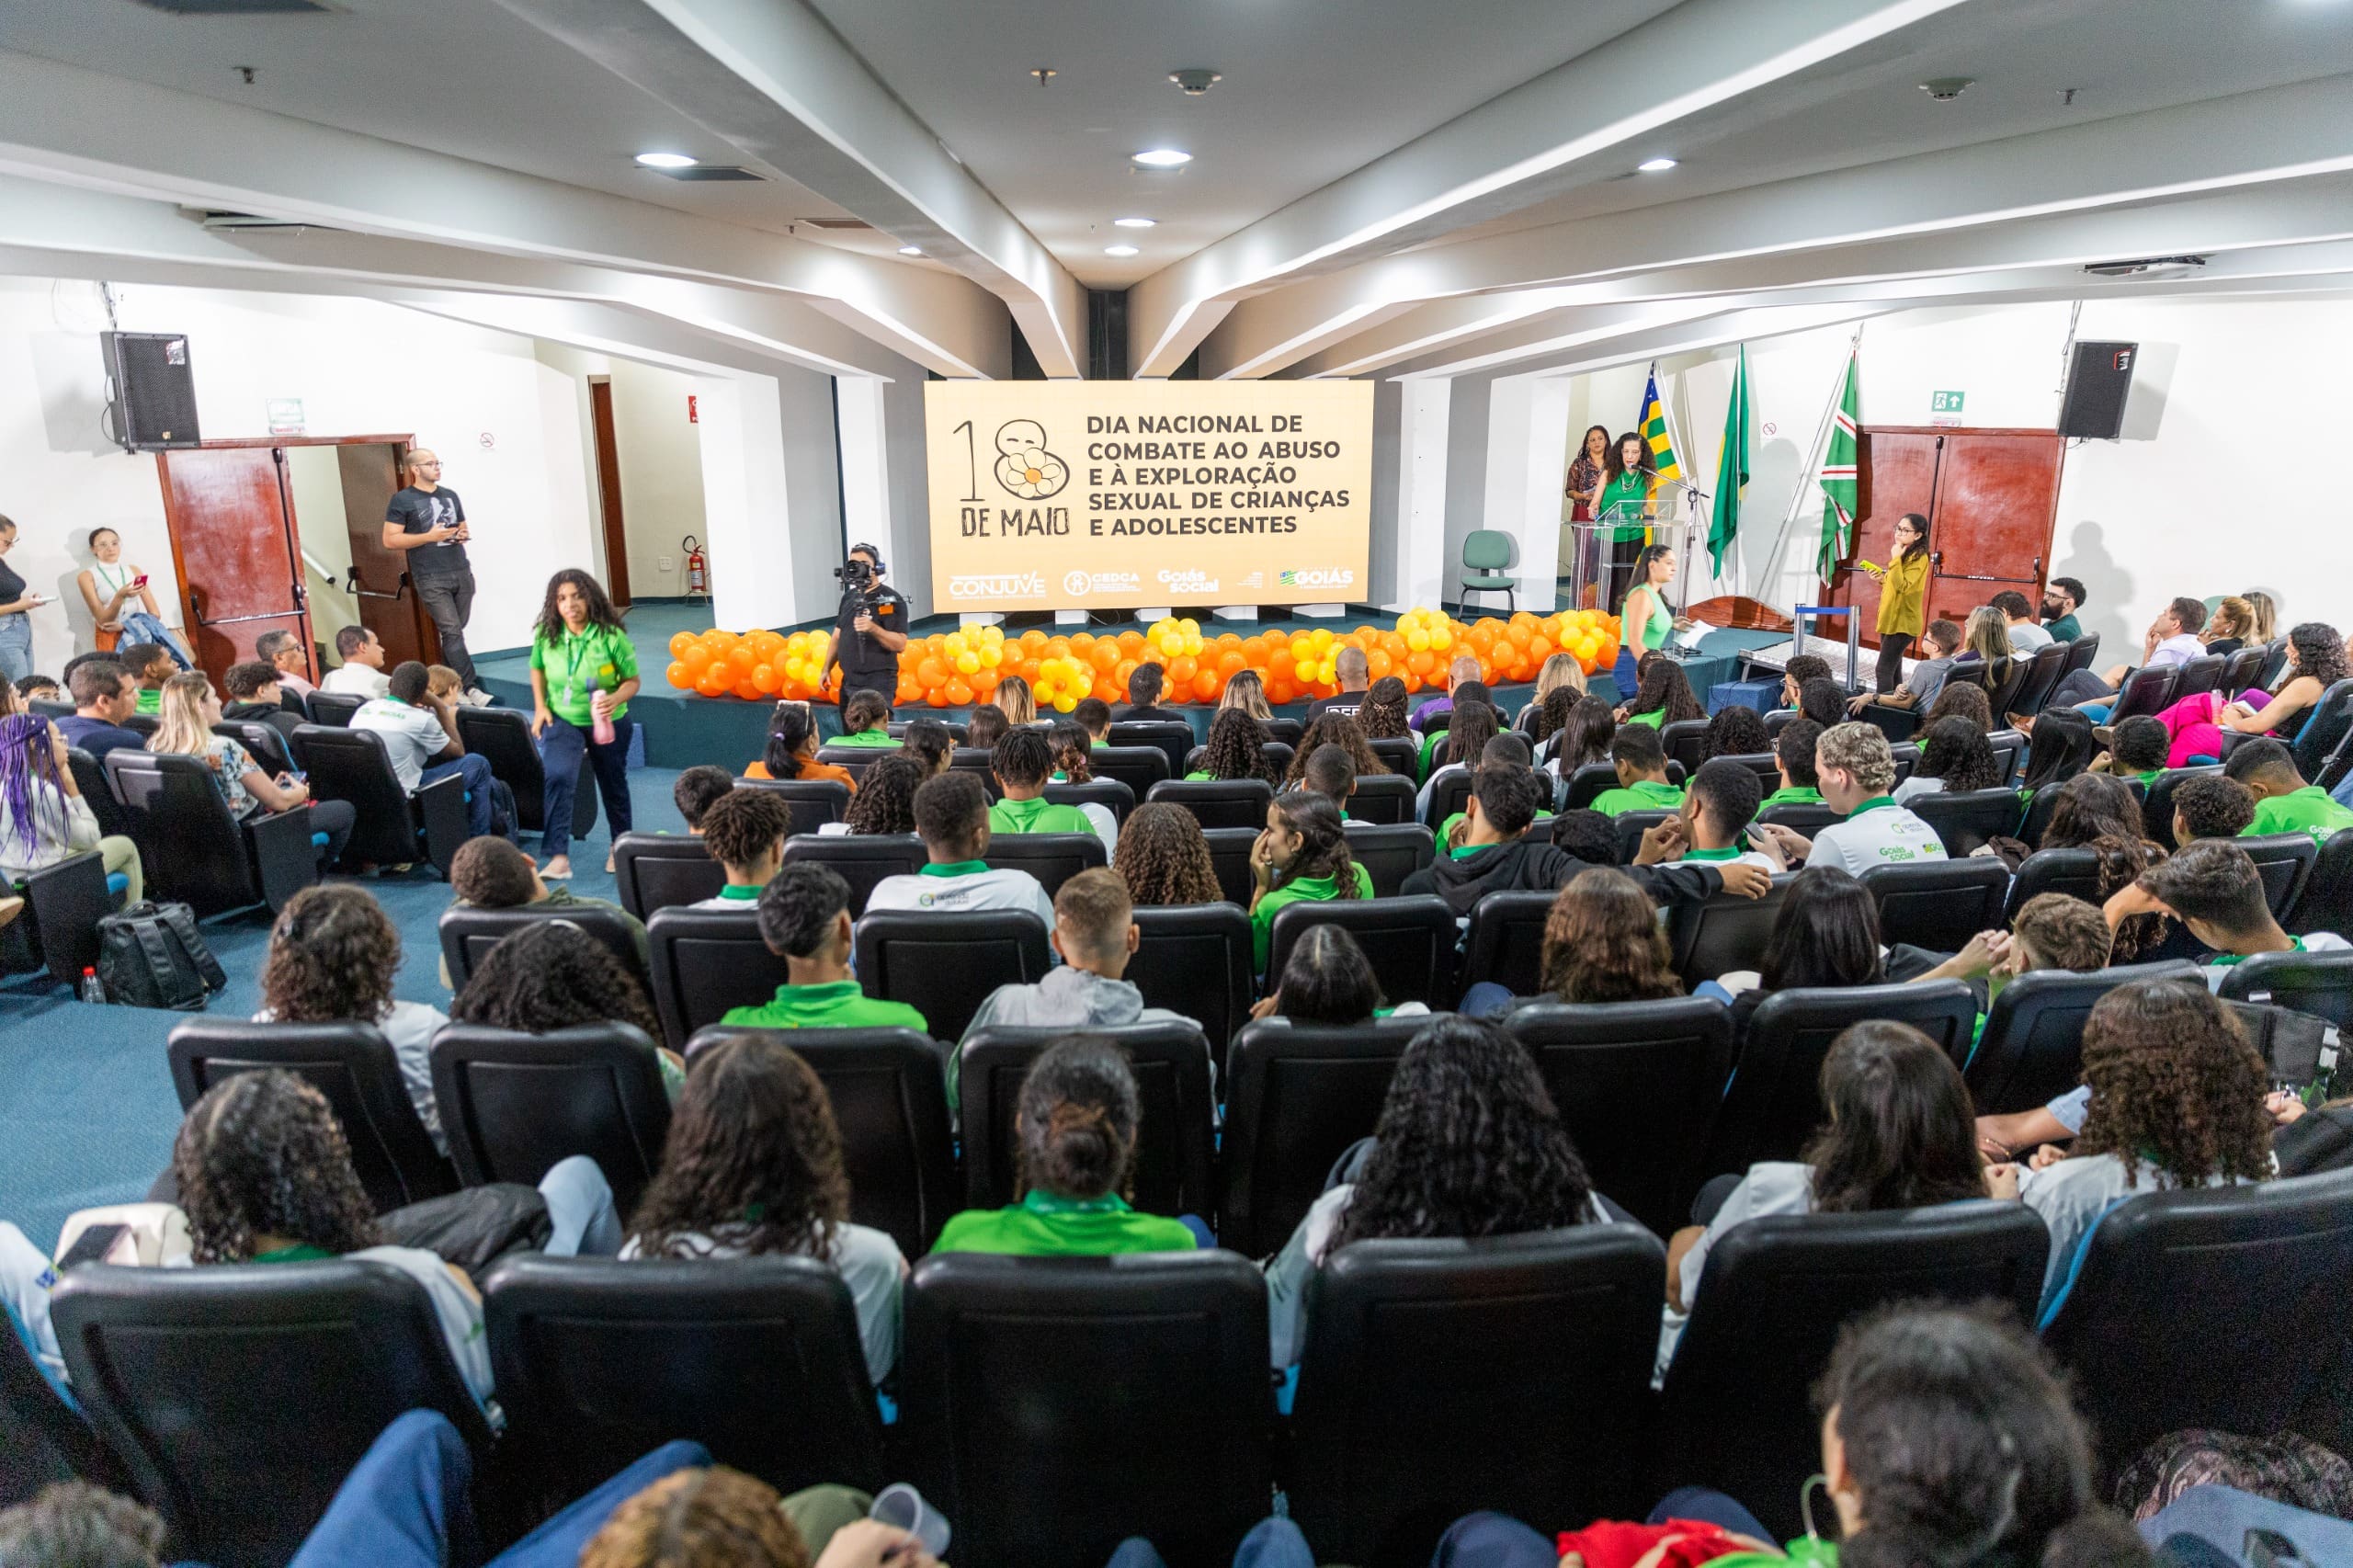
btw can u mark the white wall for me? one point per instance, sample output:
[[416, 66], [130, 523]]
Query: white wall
[[661, 462]]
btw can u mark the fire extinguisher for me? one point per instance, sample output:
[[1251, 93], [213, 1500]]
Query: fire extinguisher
[[698, 567]]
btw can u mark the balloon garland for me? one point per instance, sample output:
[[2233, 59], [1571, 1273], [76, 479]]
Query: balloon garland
[[955, 669]]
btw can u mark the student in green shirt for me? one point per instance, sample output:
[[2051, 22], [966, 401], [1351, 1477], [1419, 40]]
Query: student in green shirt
[[490, 872], [1076, 1124], [1094, 715], [745, 832], [151, 665], [1023, 761], [1331, 772], [2137, 748], [1793, 755], [866, 722], [584, 671], [1236, 748], [1303, 856], [804, 920], [1663, 695], [2283, 801], [1641, 761]]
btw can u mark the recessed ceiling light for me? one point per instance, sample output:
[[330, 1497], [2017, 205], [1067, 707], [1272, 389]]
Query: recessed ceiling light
[[1655, 165], [1163, 158], [911, 250], [1118, 250], [666, 160], [1135, 222]]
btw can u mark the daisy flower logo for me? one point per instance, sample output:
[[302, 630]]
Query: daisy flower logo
[[1024, 466]]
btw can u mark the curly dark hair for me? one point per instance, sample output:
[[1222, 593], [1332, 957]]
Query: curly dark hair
[[1237, 748], [1823, 701], [2141, 743], [2096, 812], [885, 802], [1467, 730], [1322, 843], [550, 625], [1958, 699], [2176, 1084], [332, 953], [1737, 730], [1469, 1145], [1602, 942], [2320, 651], [1164, 858], [261, 1154], [1957, 752], [1903, 1134], [1382, 713], [712, 1515], [753, 1156], [1328, 729], [1072, 746], [1665, 688], [2211, 806], [550, 975]]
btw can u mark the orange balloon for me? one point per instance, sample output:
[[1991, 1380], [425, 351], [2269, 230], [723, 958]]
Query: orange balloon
[[936, 697], [910, 690], [1181, 669], [1280, 691], [1281, 664], [712, 681], [746, 689], [680, 676], [1254, 649], [740, 658], [1108, 690], [1033, 639], [1130, 644], [1027, 669], [680, 643], [1418, 665], [1082, 643], [930, 673], [1206, 684], [958, 694], [1378, 664], [1230, 663], [1119, 674], [767, 679], [696, 657]]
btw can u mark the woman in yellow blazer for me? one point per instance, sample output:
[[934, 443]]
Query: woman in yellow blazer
[[1902, 596]]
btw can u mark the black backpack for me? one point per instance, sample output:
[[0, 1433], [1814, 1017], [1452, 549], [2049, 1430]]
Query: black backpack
[[151, 956]]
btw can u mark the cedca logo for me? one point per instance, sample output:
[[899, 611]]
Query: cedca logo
[[1076, 583], [1024, 467]]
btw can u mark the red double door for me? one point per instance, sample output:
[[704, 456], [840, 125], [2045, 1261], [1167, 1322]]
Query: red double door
[[1991, 498]]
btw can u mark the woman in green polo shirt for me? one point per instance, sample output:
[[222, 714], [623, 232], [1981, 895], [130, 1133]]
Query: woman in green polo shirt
[[584, 671], [1076, 1123], [1627, 481], [866, 722], [1302, 856]]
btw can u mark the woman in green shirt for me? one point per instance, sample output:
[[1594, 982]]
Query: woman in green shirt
[[1076, 1124], [1645, 618], [584, 671], [1302, 857]]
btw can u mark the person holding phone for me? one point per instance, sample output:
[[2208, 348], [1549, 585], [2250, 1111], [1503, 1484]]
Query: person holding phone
[[427, 522], [184, 727], [16, 623], [109, 586], [1902, 596]]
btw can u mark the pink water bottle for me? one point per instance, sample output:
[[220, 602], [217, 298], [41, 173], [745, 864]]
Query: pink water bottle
[[601, 728]]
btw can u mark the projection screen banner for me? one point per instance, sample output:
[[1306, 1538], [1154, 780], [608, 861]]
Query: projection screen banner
[[1116, 494]]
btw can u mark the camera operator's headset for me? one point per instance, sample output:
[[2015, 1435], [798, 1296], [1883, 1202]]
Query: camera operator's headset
[[872, 554]]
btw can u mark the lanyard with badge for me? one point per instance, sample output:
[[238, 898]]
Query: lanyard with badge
[[573, 644]]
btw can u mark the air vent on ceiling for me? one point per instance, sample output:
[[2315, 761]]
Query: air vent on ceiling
[[709, 171], [251, 222], [2146, 265], [837, 222], [237, 7]]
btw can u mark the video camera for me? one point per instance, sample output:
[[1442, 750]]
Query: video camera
[[856, 577]]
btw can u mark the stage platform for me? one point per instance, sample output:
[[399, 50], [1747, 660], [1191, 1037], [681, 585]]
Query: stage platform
[[683, 728]]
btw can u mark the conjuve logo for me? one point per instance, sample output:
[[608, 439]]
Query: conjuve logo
[[998, 586], [1320, 577]]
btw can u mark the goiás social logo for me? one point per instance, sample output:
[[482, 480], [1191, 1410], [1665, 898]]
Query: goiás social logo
[[1187, 582]]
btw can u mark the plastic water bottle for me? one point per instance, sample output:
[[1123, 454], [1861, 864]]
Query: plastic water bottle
[[601, 726], [94, 990]]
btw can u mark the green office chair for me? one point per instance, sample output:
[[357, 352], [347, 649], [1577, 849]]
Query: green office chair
[[1484, 552]]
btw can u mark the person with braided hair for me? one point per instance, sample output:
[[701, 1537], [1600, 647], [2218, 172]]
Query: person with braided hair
[[1072, 747], [1331, 730], [1383, 713], [1075, 1127], [791, 751], [1164, 858], [1301, 855], [885, 802], [1023, 762]]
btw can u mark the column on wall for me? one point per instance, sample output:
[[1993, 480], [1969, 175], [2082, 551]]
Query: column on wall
[[745, 503], [866, 468], [1528, 451], [1418, 543]]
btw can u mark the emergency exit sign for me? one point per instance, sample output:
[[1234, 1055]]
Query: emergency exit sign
[[1945, 402]]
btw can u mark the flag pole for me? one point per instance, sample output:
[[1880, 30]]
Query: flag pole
[[1810, 472]]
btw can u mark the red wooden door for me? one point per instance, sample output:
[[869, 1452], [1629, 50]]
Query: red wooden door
[[1997, 496], [1895, 473], [380, 581], [235, 549]]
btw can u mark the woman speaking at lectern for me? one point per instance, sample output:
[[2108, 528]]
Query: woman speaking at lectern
[[1625, 489]]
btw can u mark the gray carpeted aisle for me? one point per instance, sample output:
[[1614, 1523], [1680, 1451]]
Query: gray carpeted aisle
[[87, 1114]]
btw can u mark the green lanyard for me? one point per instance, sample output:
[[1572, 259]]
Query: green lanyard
[[572, 644]]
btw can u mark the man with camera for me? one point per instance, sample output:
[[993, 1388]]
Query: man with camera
[[870, 629]]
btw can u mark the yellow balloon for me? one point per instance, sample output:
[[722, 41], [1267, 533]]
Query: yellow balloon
[[1193, 628], [991, 656], [968, 663], [1321, 636], [1065, 702], [1441, 640]]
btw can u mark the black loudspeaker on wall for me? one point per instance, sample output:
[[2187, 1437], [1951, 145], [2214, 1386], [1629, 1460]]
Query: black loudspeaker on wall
[[150, 391], [2099, 379]]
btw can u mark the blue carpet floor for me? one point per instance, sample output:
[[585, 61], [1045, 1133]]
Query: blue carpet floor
[[87, 1114]]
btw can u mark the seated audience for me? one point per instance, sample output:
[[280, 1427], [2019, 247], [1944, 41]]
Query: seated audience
[[1095, 933], [1328, 979], [1961, 699], [986, 727], [1802, 668], [931, 743], [1330, 772], [1383, 713], [1463, 671], [1897, 1135], [35, 689], [2050, 930], [2099, 813], [1955, 756], [2026, 633], [865, 721], [2283, 801], [752, 1168], [885, 803], [150, 664], [43, 819], [334, 955], [1073, 752], [804, 920], [552, 975], [1559, 672], [442, 682], [1014, 698], [1662, 697], [184, 728], [1144, 684], [1508, 751], [1469, 728], [1093, 715], [1495, 852], [1823, 701], [953, 815], [2175, 1088], [1584, 737], [1468, 1144], [104, 695], [2172, 639], [2211, 806], [284, 653], [1856, 770], [2062, 597], [2139, 748], [697, 790], [359, 672], [1941, 644], [1301, 857], [1984, 649], [2062, 746], [1737, 730], [1244, 690], [1793, 757], [792, 749], [1602, 943], [1235, 749], [490, 873], [1164, 858], [256, 695], [1643, 786], [1826, 934], [2227, 625], [1334, 729], [707, 1516], [2212, 888], [1717, 809], [1353, 671], [420, 737], [746, 834], [1023, 762], [1075, 1128]]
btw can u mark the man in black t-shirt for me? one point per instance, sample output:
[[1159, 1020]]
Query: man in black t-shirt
[[868, 633], [426, 523], [1356, 677]]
